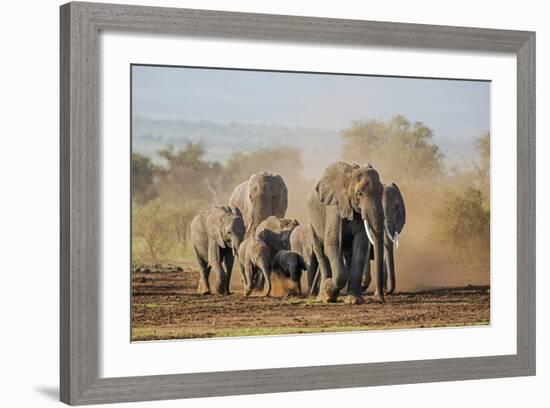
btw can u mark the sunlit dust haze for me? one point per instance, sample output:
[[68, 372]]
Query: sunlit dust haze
[[197, 133]]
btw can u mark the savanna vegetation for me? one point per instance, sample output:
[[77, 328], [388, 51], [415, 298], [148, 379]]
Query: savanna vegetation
[[167, 196], [446, 237]]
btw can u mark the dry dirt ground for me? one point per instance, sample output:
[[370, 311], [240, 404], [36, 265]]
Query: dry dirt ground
[[165, 305]]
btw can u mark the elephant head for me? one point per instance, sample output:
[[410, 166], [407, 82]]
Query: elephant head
[[356, 191], [394, 221], [266, 194], [394, 212], [290, 265], [226, 226]]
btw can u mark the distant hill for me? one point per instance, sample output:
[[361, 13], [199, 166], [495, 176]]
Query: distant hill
[[319, 147]]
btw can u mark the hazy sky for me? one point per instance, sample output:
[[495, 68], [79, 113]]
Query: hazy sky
[[454, 109]]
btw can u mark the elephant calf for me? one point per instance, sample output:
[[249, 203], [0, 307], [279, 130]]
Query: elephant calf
[[216, 235], [254, 257], [289, 265], [275, 232], [301, 241]]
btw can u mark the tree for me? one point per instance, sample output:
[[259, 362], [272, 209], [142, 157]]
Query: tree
[[282, 160], [398, 149], [187, 174], [143, 172], [462, 216], [483, 167], [162, 228]]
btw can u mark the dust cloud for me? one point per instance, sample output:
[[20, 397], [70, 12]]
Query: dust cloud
[[422, 260]]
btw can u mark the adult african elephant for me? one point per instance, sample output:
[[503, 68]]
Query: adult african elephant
[[262, 195], [216, 235], [345, 212], [394, 221]]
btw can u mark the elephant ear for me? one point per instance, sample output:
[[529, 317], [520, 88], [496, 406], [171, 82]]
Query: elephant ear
[[247, 204], [333, 188], [236, 212], [401, 217], [214, 227], [288, 224], [280, 200]]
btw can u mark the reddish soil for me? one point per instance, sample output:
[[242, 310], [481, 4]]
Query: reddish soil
[[166, 306]]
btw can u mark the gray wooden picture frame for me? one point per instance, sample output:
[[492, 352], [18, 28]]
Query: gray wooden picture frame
[[80, 192]]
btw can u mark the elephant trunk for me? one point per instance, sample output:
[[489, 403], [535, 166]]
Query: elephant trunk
[[392, 237], [373, 219], [235, 243], [390, 267], [379, 260]]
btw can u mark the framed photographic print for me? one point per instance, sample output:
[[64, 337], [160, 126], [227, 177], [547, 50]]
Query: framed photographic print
[[258, 203]]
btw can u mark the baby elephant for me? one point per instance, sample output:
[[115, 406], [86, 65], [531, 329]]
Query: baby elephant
[[301, 241], [275, 232], [289, 265], [216, 234], [254, 257]]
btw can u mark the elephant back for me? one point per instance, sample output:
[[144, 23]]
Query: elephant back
[[237, 199], [275, 232], [301, 239]]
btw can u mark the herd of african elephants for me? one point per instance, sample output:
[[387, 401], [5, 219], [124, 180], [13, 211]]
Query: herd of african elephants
[[353, 219]]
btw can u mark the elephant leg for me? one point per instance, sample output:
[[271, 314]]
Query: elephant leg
[[322, 260], [248, 271], [264, 273], [365, 283], [215, 263], [347, 264], [244, 280], [313, 276], [389, 268], [357, 265], [260, 281], [385, 274], [330, 288], [228, 261], [204, 272]]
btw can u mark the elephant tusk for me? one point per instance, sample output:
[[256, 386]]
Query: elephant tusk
[[368, 232], [396, 240], [388, 233], [233, 250]]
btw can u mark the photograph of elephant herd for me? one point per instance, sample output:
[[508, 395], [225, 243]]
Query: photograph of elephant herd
[[269, 203]]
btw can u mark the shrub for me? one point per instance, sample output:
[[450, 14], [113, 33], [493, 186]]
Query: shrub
[[160, 230], [463, 226]]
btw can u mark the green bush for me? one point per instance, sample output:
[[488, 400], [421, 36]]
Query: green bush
[[398, 149], [463, 226], [462, 216], [143, 171], [160, 230]]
